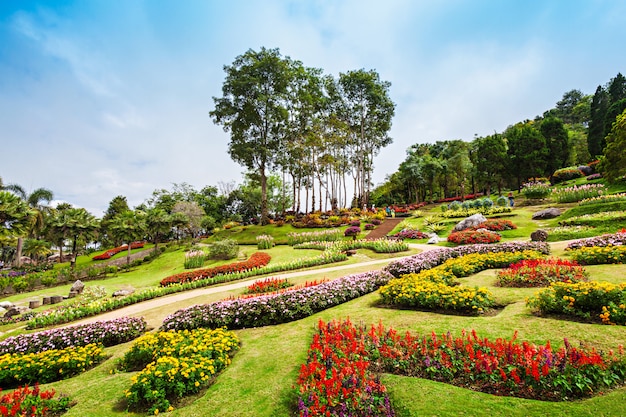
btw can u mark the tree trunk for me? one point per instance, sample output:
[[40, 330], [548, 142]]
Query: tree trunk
[[18, 251], [264, 212]]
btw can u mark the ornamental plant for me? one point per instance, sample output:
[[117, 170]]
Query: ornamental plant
[[541, 273], [279, 308], [194, 259], [32, 402], [268, 285], [604, 198], [536, 190], [108, 254], [107, 333], [322, 235], [587, 300], [565, 174], [410, 234], [495, 225], [336, 379], [174, 365], [610, 239], [599, 255], [49, 365], [577, 193], [470, 237], [353, 231], [264, 242]]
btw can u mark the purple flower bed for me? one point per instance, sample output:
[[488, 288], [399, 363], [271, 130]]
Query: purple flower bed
[[410, 234], [276, 308], [107, 333], [431, 259], [613, 239]]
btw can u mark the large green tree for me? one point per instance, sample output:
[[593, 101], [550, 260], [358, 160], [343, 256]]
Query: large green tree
[[129, 226], [613, 163], [253, 110], [75, 224], [597, 124], [490, 161], [527, 152], [557, 141]]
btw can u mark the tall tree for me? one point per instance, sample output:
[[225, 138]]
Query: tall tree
[[253, 110], [613, 164], [158, 225], [129, 226], [527, 152], [490, 161], [617, 88], [117, 205], [597, 124], [75, 224], [557, 141]]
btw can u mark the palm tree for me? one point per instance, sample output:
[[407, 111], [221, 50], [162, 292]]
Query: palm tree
[[158, 223], [128, 226], [74, 224], [37, 249], [15, 217]]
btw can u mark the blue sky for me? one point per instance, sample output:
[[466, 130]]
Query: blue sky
[[111, 97]]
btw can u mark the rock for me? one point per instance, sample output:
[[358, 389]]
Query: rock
[[15, 311], [549, 213], [34, 304], [56, 299], [6, 304], [122, 293], [539, 236], [471, 221], [585, 169], [77, 287]]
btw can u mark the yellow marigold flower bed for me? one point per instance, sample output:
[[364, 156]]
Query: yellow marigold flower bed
[[597, 255], [588, 300], [48, 366], [175, 364]]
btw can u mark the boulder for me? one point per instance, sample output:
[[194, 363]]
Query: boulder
[[549, 213], [123, 293], [471, 221], [539, 236], [6, 304], [585, 169], [15, 311], [77, 288]]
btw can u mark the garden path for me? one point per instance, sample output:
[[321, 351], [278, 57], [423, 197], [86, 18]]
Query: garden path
[[383, 229]]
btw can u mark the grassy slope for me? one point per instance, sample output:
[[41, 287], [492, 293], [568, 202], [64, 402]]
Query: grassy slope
[[260, 380]]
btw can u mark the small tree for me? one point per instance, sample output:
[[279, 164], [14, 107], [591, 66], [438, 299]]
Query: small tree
[[612, 163], [129, 227]]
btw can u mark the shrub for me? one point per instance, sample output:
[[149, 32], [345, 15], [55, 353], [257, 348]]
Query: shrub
[[224, 249], [495, 225], [369, 226], [502, 201], [410, 234], [353, 231], [27, 401], [566, 174]]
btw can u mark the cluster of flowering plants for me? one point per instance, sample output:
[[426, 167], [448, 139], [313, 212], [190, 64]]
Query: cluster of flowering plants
[[577, 193], [108, 333], [194, 259], [536, 189], [256, 260], [609, 239], [566, 174], [410, 234], [271, 309], [587, 300], [322, 235], [49, 365], [264, 242], [600, 255], [279, 291], [377, 245], [268, 285], [472, 263], [541, 273], [604, 198], [353, 231], [174, 365], [336, 379], [111, 252], [466, 212], [432, 258], [501, 366], [495, 225], [32, 402], [470, 237]]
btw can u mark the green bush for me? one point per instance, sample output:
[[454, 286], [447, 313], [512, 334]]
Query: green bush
[[566, 174], [224, 249]]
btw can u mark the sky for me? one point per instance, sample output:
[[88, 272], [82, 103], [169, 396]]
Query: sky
[[101, 98]]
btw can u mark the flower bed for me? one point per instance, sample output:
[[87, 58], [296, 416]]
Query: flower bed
[[112, 252], [587, 300], [432, 258], [541, 273], [107, 333], [536, 189], [495, 225], [339, 376], [600, 255], [322, 235], [577, 193], [268, 285], [48, 366], [273, 309], [27, 401], [174, 365], [610, 239], [409, 234], [466, 212], [264, 242], [470, 237], [256, 260], [336, 379], [378, 245], [472, 263]]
